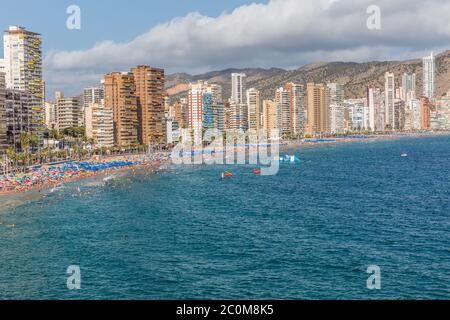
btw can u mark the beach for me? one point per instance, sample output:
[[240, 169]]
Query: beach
[[50, 176]]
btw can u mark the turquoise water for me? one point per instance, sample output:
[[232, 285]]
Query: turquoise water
[[309, 232]]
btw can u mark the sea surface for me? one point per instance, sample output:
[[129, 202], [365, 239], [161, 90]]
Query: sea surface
[[309, 232]]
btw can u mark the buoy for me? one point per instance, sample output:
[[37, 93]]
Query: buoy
[[256, 171], [226, 174]]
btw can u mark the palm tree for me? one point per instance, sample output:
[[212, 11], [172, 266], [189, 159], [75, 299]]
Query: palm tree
[[26, 141]]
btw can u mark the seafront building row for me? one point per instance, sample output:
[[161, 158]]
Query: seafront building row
[[132, 107]]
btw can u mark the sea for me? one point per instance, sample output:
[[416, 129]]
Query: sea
[[315, 230]]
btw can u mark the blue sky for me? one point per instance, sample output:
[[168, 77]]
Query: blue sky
[[102, 19], [197, 36]]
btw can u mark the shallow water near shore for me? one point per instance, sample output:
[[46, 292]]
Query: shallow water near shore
[[307, 233]]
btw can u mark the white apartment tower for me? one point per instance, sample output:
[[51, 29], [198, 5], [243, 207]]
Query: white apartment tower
[[389, 99], [237, 88], [429, 76], [23, 70]]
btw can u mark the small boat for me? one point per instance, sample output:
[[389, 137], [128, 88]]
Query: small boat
[[226, 174], [256, 171], [404, 155]]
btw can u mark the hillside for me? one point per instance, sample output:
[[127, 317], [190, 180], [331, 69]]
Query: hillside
[[355, 76]]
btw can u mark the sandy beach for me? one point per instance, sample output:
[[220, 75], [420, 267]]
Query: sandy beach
[[139, 162]]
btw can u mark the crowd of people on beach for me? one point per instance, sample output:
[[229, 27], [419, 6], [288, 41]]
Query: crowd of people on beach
[[48, 176]]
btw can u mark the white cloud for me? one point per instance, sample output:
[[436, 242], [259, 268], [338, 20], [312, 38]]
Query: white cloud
[[281, 33]]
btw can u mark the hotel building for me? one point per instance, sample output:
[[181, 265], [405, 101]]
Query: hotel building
[[150, 94], [429, 76], [23, 68], [317, 98], [389, 100], [120, 97]]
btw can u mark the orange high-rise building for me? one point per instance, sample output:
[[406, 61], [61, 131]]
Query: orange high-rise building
[[150, 94], [425, 109], [120, 96], [317, 109]]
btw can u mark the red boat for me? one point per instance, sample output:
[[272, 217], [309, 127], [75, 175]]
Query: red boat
[[256, 171], [226, 174]]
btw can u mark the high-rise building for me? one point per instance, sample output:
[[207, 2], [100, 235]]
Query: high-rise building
[[429, 76], [270, 116], [92, 95], [238, 116], [414, 106], [317, 109], [99, 124], [121, 98], [357, 114], [195, 107], [389, 98], [425, 110], [336, 92], [337, 118], [69, 112], [408, 87], [216, 91], [283, 111], [18, 113], [237, 88], [254, 109], [376, 112], [150, 93], [296, 93], [3, 134], [23, 68], [400, 113], [207, 111]]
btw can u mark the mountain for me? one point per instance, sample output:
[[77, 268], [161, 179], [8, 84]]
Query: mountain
[[355, 76]]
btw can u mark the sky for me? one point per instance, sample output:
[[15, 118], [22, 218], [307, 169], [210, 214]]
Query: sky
[[196, 36]]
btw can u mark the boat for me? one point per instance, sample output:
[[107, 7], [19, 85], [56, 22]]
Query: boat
[[256, 171], [404, 155], [226, 174]]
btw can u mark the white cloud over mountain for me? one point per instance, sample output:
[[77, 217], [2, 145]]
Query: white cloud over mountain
[[281, 33]]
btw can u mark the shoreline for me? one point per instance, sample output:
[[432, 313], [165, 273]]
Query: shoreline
[[148, 165], [153, 165]]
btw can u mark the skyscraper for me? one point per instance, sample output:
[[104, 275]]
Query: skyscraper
[[254, 109], [18, 111], [296, 93], [92, 95], [237, 88], [195, 106], [283, 111], [408, 86], [429, 76], [375, 105], [120, 97], [317, 109], [23, 68], [270, 117], [389, 98], [150, 93]]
